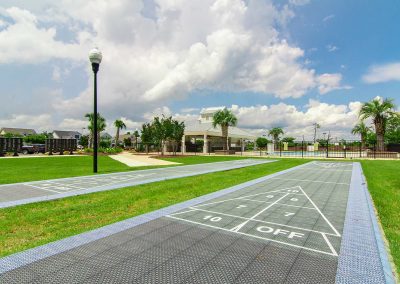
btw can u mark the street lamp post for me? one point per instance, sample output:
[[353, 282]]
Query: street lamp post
[[95, 57]]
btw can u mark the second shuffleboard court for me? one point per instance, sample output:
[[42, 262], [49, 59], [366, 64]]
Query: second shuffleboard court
[[28, 192]]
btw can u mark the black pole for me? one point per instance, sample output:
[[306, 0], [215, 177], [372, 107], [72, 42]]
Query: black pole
[[95, 67]]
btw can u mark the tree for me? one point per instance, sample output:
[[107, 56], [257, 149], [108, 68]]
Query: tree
[[262, 142], [379, 111], [136, 135], [288, 139], [178, 129], [119, 124], [363, 130], [35, 139], [147, 135], [316, 126], [84, 141], [224, 118], [393, 129], [275, 133], [101, 126]]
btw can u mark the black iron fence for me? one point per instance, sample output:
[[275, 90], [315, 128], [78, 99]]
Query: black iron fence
[[10, 145], [333, 149], [60, 145]]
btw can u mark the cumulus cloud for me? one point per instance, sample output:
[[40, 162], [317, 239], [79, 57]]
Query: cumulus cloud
[[160, 53], [331, 82], [382, 73], [41, 122], [338, 119], [24, 41]]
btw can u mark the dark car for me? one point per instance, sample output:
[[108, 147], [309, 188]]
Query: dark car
[[34, 148]]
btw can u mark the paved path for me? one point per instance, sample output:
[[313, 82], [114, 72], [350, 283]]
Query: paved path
[[29, 192], [309, 224], [132, 160]]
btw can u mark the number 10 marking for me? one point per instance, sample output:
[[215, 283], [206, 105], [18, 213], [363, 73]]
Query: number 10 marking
[[212, 219]]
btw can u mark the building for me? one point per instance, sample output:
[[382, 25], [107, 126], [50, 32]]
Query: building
[[17, 131], [202, 132], [59, 134]]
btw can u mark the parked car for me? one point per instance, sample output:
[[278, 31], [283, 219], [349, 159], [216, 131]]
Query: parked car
[[34, 148]]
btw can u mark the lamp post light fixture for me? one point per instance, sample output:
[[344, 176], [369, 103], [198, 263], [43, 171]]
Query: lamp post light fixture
[[95, 57]]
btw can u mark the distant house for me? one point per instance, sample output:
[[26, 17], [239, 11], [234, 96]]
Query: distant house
[[17, 131], [59, 134]]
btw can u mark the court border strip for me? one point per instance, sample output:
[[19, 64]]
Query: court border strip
[[363, 257], [29, 256], [55, 196]]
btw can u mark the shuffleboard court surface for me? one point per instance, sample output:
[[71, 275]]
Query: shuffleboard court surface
[[284, 229], [29, 192]]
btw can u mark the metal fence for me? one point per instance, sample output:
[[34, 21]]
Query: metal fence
[[333, 149], [10, 145], [60, 145]]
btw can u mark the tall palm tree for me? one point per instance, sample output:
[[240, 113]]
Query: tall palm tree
[[224, 118], [137, 135], [363, 130], [316, 126], [119, 124], [101, 126], [274, 133], [379, 110]]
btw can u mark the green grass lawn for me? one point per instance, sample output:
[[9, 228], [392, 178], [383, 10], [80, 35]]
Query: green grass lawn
[[383, 178], [30, 169], [30, 225]]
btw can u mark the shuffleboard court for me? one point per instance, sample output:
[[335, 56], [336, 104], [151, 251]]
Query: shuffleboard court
[[284, 228], [28, 192]]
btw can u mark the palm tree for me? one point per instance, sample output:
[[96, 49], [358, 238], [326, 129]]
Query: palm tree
[[363, 130], [101, 126], [274, 133], [119, 124], [136, 135], [379, 110], [224, 118], [316, 126]]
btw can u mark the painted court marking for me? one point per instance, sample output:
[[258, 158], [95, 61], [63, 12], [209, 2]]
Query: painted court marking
[[260, 227], [59, 187]]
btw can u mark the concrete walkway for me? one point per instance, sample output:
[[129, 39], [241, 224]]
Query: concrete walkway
[[132, 160]]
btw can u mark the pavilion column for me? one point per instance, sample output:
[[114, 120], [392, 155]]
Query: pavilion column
[[205, 145], [183, 146], [242, 144]]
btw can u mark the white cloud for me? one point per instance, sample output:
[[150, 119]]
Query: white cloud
[[331, 82], [382, 73], [299, 2], [148, 62], [328, 18], [41, 122], [73, 124], [338, 119], [331, 48], [24, 41], [190, 109]]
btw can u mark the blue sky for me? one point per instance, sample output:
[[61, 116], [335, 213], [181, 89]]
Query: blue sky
[[274, 63]]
